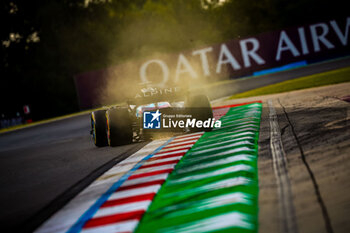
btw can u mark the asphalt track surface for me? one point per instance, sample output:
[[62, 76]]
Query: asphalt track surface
[[304, 159], [43, 167]]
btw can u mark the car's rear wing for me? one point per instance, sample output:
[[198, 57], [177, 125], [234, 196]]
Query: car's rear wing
[[153, 95]]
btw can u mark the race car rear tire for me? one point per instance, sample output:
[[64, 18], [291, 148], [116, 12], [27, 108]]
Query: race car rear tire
[[200, 108], [119, 127], [99, 128]]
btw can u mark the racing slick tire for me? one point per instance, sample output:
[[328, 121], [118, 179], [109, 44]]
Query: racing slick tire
[[99, 128], [119, 127], [200, 109]]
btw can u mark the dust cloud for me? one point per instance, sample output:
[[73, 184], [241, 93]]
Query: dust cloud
[[160, 31]]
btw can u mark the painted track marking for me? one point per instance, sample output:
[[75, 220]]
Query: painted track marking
[[136, 208], [132, 185], [65, 218]]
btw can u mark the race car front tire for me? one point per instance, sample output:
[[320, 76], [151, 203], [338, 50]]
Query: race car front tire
[[119, 127], [99, 128]]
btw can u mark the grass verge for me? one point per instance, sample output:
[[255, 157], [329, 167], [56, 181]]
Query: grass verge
[[315, 80]]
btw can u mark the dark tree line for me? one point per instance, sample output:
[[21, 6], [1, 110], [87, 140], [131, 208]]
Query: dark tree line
[[45, 43]]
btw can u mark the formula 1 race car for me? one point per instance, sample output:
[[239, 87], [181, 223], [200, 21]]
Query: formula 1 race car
[[120, 125]]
